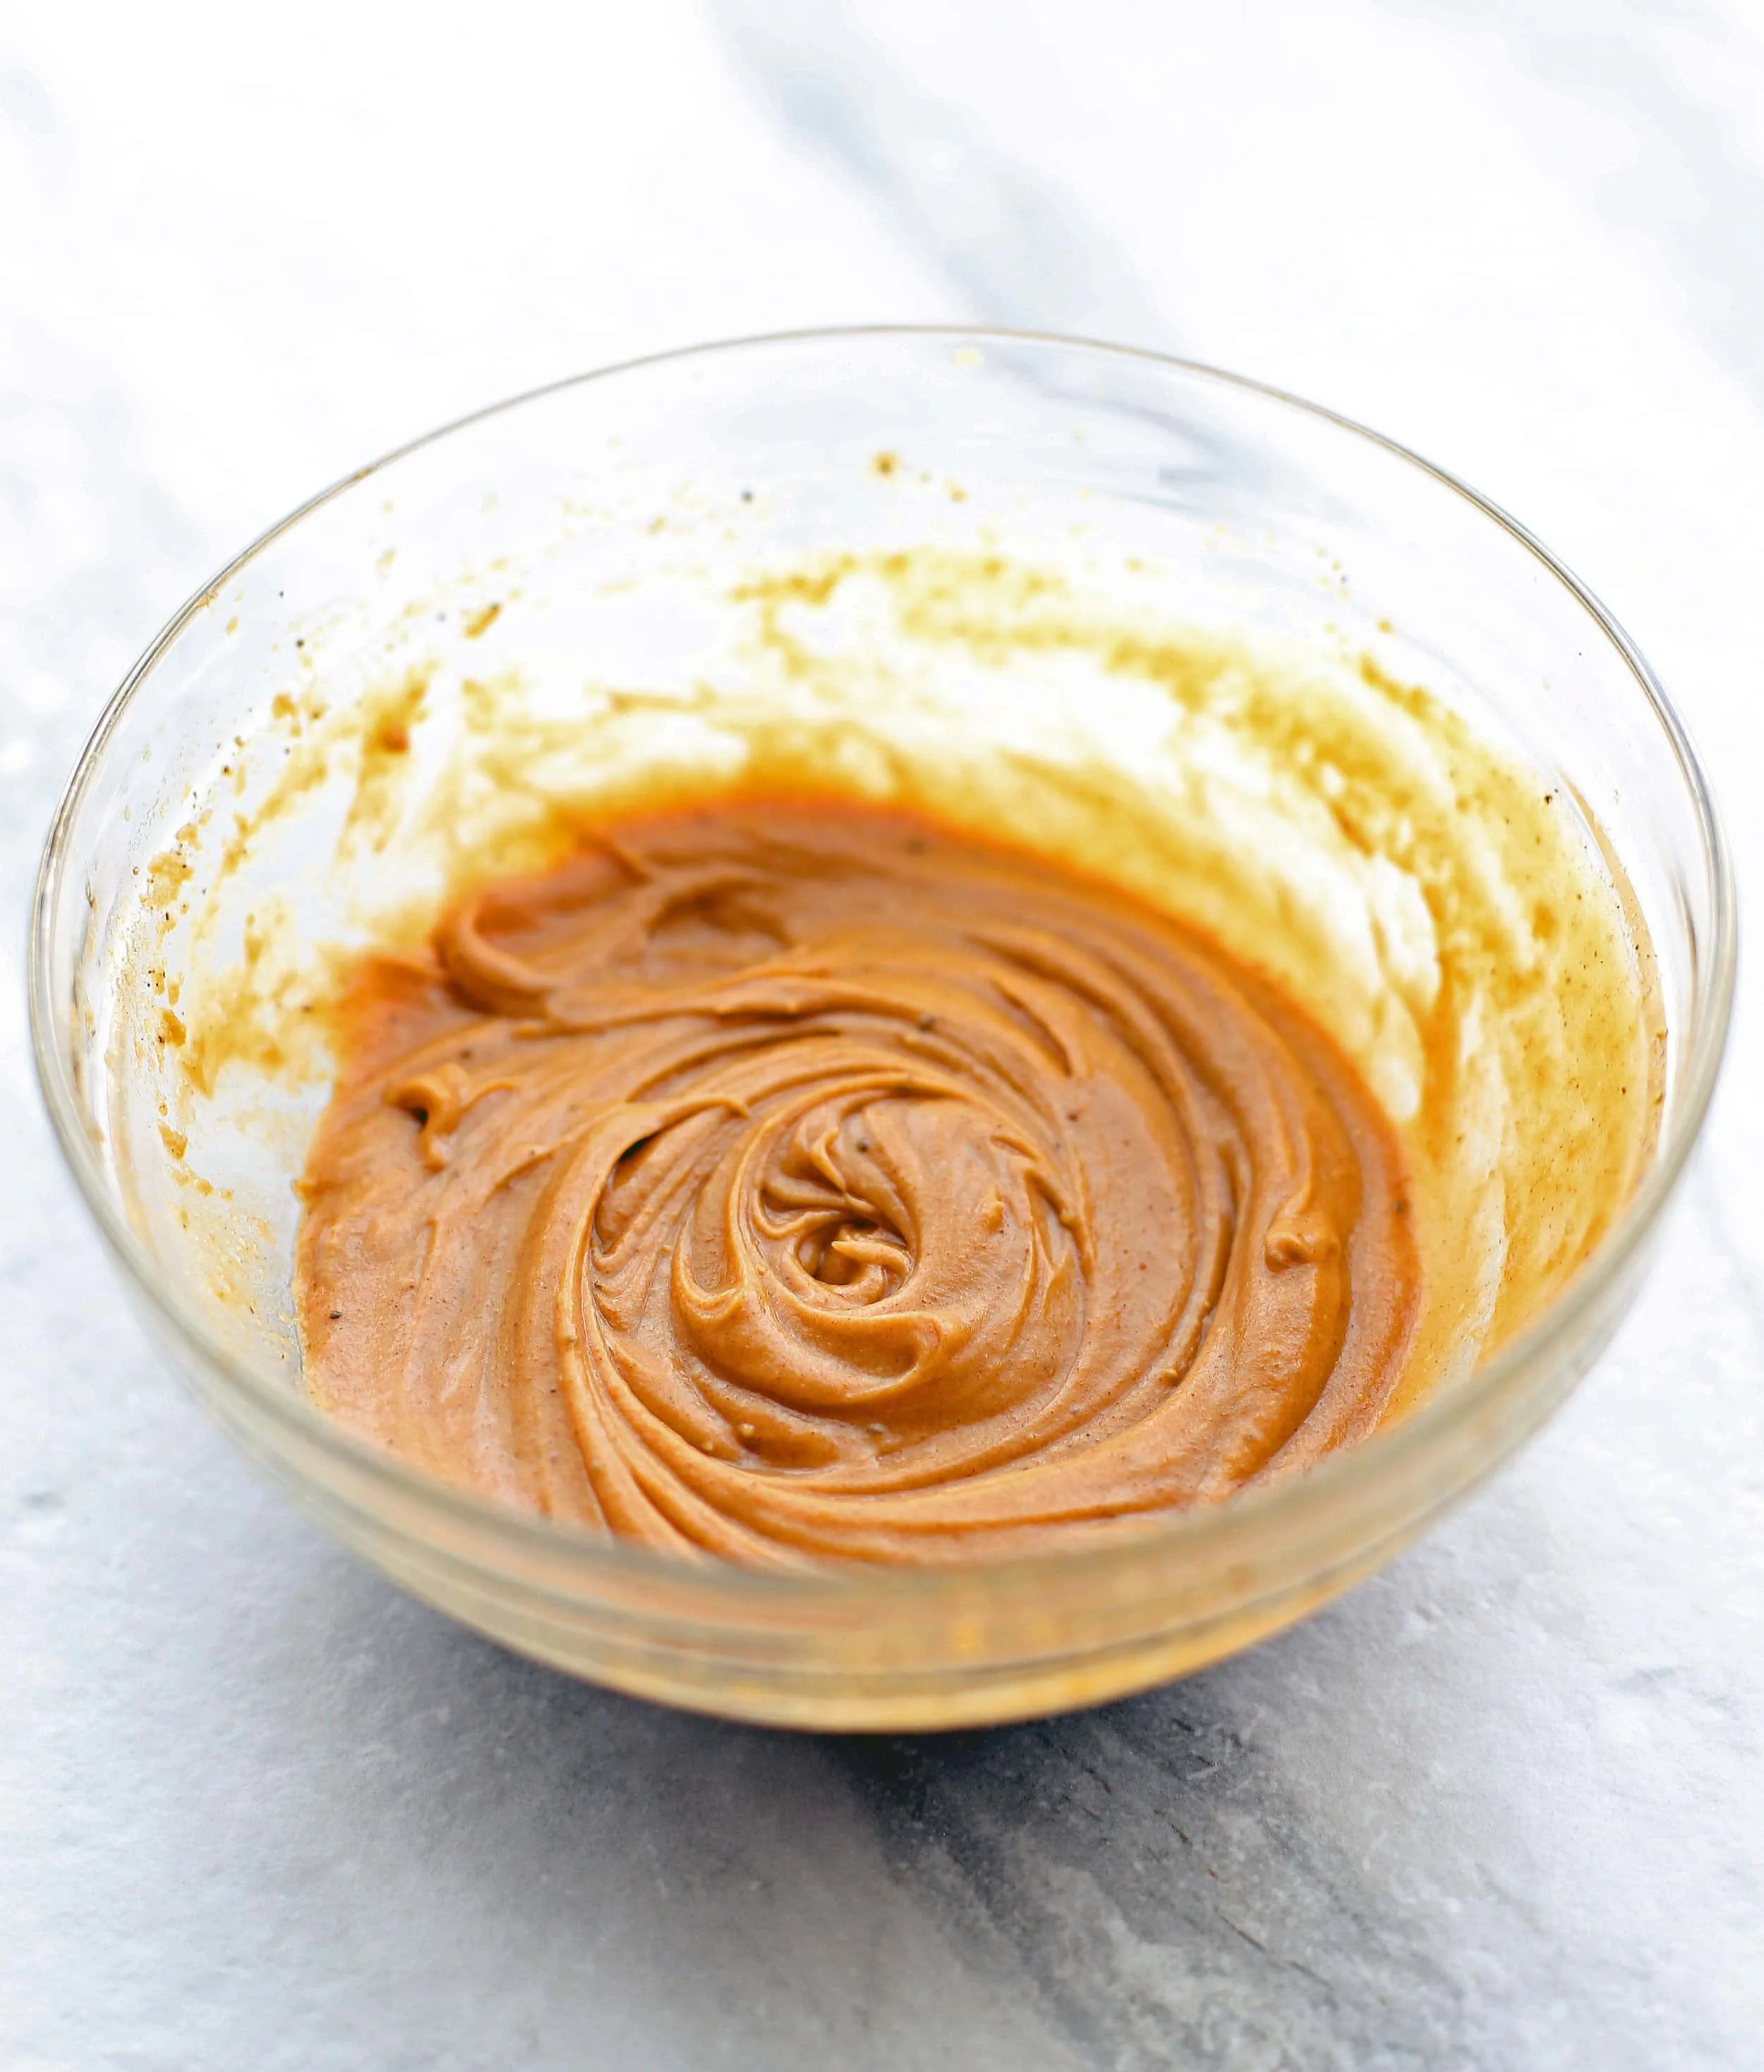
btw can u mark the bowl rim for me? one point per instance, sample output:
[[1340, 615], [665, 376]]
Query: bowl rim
[[1381, 1457]]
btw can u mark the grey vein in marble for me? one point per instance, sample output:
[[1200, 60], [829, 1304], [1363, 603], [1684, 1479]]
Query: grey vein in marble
[[1690, 188], [1013, 246]]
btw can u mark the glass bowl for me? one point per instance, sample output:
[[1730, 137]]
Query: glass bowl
[[1264, 513]]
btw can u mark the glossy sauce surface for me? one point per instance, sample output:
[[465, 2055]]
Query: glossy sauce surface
[[784, 1181]]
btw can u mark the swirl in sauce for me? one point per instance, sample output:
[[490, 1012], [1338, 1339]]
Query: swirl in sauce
[[795, 1181]]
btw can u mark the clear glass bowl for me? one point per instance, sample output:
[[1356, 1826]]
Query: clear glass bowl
[[1273, 516]]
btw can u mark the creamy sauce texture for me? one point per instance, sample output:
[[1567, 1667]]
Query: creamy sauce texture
[[785, 1180]]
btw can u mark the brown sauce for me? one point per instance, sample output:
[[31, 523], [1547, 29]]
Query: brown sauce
[[783, 1180]]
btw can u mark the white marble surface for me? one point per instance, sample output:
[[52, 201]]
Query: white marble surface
[[1504, 1807]]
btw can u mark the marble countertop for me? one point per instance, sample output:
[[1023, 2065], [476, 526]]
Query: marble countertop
[[1502, 1808]]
